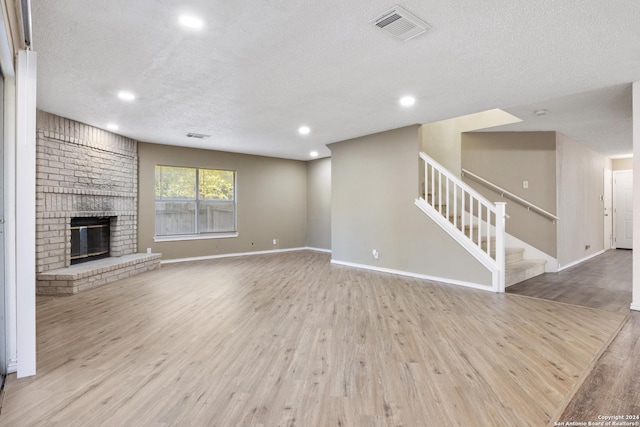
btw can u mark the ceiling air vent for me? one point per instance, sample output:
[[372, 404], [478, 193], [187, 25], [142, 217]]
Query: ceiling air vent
[[401, 23], [197, 135]]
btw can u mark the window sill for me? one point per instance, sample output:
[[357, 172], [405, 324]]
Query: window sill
[[179, 238]]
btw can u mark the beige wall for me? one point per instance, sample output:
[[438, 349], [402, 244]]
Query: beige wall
[[271, 193], [622, 164], [374, 183], [580, 185], [442, 140], [507, 159], [319, 204]]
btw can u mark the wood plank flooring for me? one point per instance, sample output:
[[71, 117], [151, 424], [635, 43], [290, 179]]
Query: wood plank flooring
[[613, 387], [291, 340], [603, 282]]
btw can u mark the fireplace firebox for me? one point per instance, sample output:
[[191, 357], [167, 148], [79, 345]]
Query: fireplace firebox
[[89, 239]]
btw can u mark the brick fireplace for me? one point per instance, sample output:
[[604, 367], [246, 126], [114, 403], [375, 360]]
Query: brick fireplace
[[84, 172]]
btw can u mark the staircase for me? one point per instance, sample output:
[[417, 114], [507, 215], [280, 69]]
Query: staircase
[[475, 223], [519, 269]]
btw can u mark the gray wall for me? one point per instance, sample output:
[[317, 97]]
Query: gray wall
[[271, 193], [507, 159], [580, 185], [319, 203], [374, 182]]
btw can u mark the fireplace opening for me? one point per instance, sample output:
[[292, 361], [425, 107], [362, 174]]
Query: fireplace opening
[[89, 239]]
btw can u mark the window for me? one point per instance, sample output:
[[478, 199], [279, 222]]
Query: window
[[192, 201]]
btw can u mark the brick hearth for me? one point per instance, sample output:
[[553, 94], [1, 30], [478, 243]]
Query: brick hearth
[[82, 277]]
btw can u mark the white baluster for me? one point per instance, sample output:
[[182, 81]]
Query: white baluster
[[433, 183], [462, 210], [471, 217], [440, 192], [500, 226], [426, 181], [455, 205], [489, 232], [479, 224], [448, 199]]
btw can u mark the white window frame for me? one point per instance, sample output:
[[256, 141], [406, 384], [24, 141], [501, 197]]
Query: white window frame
[[198, 235]]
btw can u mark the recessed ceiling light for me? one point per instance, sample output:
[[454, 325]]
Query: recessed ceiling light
[[541, 112], [126, 96], [190, 21], [407, 101], [313, 154], [113, 126], [304, 130]]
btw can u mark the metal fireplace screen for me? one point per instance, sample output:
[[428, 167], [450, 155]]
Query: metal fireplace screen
[[89, 239]]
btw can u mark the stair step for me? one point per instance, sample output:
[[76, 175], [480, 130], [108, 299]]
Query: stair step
[[523, 270], [511, 255]]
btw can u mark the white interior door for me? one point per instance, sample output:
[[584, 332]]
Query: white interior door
[[607, 199], [623, 209]]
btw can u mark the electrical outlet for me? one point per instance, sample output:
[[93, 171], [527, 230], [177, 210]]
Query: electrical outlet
[[525, 184], [275, 241], [375, 253]]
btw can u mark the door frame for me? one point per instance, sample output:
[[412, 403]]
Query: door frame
[[615, 202], [607, 202]]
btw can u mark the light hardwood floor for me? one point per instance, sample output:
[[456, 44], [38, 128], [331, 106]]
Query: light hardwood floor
[[602, 282], [613, 387], [290, 340], [605, 282]]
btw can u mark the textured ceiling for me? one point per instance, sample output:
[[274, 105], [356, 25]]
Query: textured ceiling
[[261, 68], [600, 119]]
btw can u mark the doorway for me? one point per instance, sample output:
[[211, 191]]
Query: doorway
[[623, 209]]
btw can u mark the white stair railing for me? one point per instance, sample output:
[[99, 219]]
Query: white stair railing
[[467, 216]]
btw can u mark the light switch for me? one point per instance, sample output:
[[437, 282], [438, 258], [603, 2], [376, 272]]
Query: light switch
[[525, 184]]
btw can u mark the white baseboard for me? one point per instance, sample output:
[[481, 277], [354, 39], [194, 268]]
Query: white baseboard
[[415, 275], [635, 307], [564, 267], [237, 254], [309, 248], [12, 368]]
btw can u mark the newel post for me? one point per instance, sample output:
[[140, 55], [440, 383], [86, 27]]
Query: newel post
[[500, 226]]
